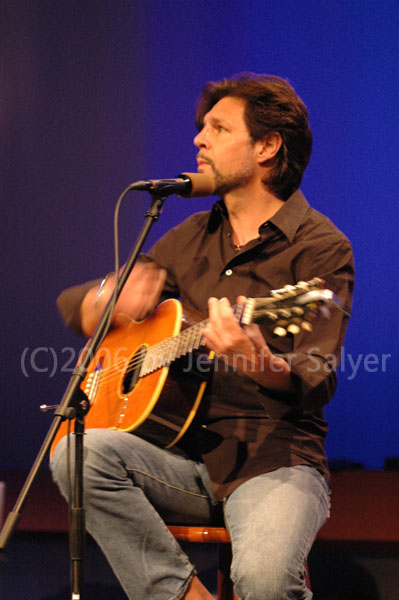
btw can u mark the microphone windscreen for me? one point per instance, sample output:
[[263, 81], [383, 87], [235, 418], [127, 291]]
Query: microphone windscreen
[[201, 185]]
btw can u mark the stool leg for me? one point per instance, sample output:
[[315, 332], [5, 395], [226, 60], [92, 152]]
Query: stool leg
[[225, 585]]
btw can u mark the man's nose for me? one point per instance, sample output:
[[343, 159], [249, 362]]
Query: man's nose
[[201, 140]]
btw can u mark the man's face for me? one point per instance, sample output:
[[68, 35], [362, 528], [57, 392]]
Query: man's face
[[226, 149]]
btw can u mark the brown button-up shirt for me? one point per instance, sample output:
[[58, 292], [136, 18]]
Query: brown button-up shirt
[[247, 429]]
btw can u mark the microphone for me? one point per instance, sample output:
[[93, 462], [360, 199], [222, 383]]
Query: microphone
[[188, 185]]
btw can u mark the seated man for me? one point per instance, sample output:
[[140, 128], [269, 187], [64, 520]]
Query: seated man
[[254, 455]]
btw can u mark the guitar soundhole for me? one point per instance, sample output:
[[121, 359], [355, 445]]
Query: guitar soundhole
[[133, 370]]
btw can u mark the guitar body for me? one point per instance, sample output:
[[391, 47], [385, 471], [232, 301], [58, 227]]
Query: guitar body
[[159, 406]]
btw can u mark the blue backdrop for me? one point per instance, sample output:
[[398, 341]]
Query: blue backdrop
[[96, 94]]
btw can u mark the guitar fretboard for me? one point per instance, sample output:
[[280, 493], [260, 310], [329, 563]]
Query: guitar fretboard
[[165, 352]]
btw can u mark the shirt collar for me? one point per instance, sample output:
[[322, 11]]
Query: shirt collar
[[287, 219], [290, 215], [216, 216]]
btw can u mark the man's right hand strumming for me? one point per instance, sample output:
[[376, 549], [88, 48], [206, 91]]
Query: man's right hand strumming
[[137, 300]]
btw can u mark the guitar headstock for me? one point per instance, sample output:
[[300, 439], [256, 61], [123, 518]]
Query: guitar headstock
[[292, 308]]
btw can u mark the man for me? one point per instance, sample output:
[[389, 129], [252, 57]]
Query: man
[[256, 453]]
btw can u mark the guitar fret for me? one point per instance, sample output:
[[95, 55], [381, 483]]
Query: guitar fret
[[191, 338], [161, 354], [199, 330], [171, 354], [189, 346], [155, 359], [145, 367], [181, 345], [179, 350], [186, 342]]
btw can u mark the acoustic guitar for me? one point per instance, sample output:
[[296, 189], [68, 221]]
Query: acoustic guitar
[[150, 376]]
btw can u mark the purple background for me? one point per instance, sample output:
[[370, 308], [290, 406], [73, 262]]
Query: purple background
[[97, 94]]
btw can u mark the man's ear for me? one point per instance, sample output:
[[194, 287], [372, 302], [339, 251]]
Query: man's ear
[[268, 147]]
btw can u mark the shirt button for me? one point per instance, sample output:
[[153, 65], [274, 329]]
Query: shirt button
[[228, 272]]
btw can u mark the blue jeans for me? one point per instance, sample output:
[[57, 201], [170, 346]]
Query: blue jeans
[[131, 488]]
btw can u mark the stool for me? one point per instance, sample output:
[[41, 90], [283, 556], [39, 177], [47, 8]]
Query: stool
[[215, 535], [211, 535]]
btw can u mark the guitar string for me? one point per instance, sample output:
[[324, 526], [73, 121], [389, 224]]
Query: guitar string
[[108, 373], [154, 353]]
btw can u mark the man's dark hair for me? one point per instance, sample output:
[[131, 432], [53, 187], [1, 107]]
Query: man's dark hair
[[271, 105]]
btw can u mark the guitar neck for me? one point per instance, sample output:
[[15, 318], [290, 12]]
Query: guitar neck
[[291, 308], [165, 352]]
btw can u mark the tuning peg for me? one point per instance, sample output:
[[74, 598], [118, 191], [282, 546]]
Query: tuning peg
[[307, 326], [271, 315], [280, 331], [284, 312], [316, 281], [289, 290], [297, 310], [281, 328], [312, 311], [293, 328], [313, 306]]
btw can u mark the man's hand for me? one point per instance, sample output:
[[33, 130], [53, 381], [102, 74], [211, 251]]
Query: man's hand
[[244, 348], [226, 338], [137, 300]]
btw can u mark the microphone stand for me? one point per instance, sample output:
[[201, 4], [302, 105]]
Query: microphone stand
[[75, 405]]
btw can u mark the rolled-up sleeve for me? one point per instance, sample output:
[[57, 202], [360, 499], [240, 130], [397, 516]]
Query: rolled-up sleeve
[[70, 301]]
